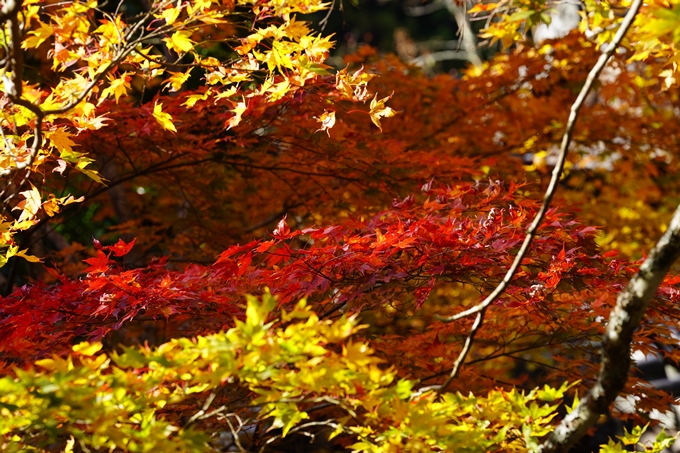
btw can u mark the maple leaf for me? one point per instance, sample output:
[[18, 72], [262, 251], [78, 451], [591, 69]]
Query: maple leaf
[[177, 79], [353, 86], [480, 7], [27, 257], [327, 121], [37, 37], [342, 84], [70, 199], [55, 273], [92, 124], [92, 174], [379, 110], [238, 111], [279, 90], [180, 42], [263, 247], [117, 87], [244, 264], [191, 100], [316, 47], [170, 15], [99, 264], [282, 230], [120, 248], [51, 206], [61, 166], [61, 140], [30, 205], [163, 118]]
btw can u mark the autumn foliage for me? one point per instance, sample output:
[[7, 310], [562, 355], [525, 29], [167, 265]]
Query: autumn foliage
[[280, 246]]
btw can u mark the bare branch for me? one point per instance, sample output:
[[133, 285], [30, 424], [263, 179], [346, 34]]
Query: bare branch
[[198, 415], [481, 308], [465, 32], [234, 433]]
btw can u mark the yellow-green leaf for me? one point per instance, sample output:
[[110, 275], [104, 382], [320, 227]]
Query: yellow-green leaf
[[88, 349]]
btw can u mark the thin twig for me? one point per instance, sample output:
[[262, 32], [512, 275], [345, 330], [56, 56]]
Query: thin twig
[[234, 432], [201, 413]]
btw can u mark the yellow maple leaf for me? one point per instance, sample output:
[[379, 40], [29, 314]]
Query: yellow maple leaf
[[379, 110], [61, 140], [226, 94], [92, 174], [481, 7], [69, 445], [317, 47], [90, 123], [212, 18], [164, 119], [111, 32], [27, 257], [327, 121], [296, 29], [118, 87], [87, 349], [180, 42], [238, 111], [70, 199], [38, 36], [51, 206], [177, 79], [191, 100], [30, 206], [170, 15], [198, 5], [279, 90]]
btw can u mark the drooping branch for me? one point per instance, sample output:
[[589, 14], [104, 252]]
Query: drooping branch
[[631, 305], [481, 308]]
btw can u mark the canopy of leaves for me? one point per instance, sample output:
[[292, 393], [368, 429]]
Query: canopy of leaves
[[214, 150]]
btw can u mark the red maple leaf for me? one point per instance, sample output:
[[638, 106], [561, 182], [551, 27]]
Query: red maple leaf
[[120, 248]]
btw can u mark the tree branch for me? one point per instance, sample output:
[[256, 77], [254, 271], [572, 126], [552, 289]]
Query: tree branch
[[481, 308], [631, 305], [465, 32]]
